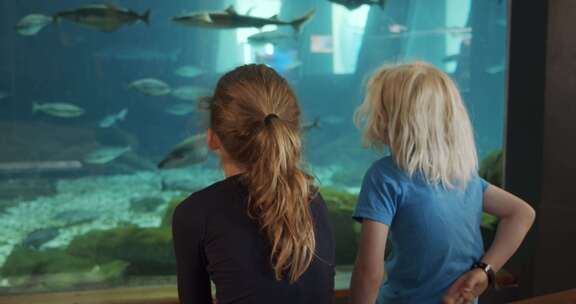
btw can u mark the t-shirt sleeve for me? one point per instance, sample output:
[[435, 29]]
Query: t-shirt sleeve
[[484, 184], [378, 198]]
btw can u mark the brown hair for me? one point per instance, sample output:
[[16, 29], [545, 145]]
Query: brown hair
[[256, 116]]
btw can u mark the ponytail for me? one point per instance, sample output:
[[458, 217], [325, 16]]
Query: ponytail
[[268, 146], [279, 198]]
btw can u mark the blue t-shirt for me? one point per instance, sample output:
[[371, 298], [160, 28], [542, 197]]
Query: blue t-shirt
[[434, 232]]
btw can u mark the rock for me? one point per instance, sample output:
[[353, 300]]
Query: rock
[[76, 216], [180, 183], [38, 237], [146, 204]]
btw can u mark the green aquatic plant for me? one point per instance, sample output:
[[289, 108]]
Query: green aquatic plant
[[338, 199], [167, 218], [147, 250], [492, 167], [340, 208], [26, 261]]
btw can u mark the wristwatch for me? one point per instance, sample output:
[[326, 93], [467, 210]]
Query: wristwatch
[[487, 268]]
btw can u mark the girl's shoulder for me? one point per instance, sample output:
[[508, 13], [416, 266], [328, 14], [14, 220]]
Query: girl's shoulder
[[386, 169]]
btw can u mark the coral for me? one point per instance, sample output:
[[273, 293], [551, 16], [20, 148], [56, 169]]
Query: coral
[[491, 168], [147, 250]]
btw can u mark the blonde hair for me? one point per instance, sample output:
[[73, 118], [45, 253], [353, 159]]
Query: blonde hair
[[416, 110], [256, 116]]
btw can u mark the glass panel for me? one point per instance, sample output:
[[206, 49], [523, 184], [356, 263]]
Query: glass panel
[[90, 108]]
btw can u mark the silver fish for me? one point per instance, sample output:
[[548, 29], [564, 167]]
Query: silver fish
[[189, 71], [103, 17], [180, 109], [495, 69], [190, 92], [112, 119], [273, 37], [315, 124], [63, 110], [193, 150], [229, 18], [150, 87], [105, 155], [33, 24], [354, 4]]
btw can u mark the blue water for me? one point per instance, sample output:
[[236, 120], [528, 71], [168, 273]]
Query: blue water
[[327, 64]]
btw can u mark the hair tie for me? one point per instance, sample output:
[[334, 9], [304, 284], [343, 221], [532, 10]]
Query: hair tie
[[269, 117]]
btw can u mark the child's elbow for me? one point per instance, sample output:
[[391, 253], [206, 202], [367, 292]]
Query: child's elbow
[[527, 214], [530, 214]]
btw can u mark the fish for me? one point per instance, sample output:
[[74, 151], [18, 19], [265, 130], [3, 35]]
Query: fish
[[452, 58], [39, 237], [189, 71], [105, 155], [58, 109], [229, 19], [333, 120], [112, 119], [128, 53], [315, 124], [495, 69], [354, 4], [191, 151], [397, 28], [180, 109], [151, 87], [190, 92], [32, 24], [103, 17], [273, 37]]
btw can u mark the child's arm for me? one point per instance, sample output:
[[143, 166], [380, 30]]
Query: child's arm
[[369, 268], [516, 218]]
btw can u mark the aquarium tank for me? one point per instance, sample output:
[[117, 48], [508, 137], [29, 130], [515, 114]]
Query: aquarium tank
[[101, 133]]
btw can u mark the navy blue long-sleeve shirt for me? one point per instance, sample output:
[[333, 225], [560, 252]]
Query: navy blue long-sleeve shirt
[[215, 239]]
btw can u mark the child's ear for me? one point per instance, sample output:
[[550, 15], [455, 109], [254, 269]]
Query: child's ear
[[212, 140]]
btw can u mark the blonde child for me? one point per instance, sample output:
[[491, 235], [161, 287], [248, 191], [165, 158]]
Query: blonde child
[[427, 197]]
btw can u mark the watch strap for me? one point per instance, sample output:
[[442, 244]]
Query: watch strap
[[487, 268]]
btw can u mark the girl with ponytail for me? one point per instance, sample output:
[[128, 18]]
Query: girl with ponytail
[[262, 234]]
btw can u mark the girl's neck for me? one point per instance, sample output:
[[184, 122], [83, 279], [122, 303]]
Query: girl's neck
[[231, 169]]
